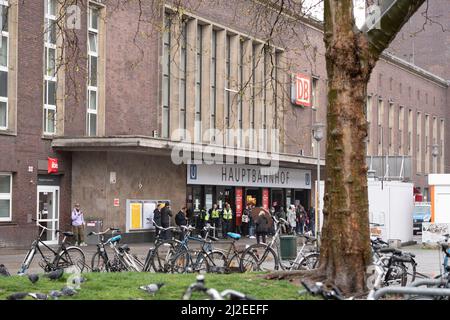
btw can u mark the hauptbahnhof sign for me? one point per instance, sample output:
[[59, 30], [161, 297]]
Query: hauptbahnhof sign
[[248, 176]]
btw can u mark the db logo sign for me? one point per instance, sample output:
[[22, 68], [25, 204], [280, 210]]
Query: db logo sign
[[301, 90], [52, 165]]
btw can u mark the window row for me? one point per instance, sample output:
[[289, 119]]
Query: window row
[[51, 74], [429, 139]]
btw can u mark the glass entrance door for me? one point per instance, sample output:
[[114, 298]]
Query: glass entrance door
[[48, 212]]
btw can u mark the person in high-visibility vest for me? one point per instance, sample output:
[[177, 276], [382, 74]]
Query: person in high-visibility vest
[[227, 217], [214, 215]]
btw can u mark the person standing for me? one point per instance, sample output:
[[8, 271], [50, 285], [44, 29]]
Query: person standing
[[157, 219], [262, 227], [291, 219], [245, 220], [181, 220], [214, 214], [166, 214], [78, 225], [227, 219]]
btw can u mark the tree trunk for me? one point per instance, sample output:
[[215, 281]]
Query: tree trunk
[[345, 247]]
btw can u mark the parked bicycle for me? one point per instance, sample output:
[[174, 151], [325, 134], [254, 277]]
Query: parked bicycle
[[158, 256], [398, 267], [213, 294], [67, 257], [101, 262], [205, 259], [267, 257]]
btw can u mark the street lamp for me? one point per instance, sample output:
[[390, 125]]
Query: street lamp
[[317, 130]]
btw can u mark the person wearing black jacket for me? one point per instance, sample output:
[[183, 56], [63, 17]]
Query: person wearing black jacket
[[166, 214], [157, 218], [180, 220]]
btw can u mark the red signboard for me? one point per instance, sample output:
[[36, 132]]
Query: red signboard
[[239, 202], [116, 202], [52, 165], [265, 198], [301, 90]]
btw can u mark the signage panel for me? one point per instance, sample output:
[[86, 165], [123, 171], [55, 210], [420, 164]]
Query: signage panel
[[248, 176]]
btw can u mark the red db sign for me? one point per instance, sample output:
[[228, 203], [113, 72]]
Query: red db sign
[[301, 90], [52, 165]]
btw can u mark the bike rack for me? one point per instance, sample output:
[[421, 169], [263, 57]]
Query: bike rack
[[411, 291]]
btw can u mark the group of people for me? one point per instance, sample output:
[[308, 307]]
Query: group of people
[[299, 220]]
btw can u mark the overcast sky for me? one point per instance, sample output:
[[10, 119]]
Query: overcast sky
[[315, 8]]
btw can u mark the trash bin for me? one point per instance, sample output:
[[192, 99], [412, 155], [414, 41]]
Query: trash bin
[[288, 247], [93, 225]]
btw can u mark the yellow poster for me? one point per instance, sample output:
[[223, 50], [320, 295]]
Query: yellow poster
[[136, 216]]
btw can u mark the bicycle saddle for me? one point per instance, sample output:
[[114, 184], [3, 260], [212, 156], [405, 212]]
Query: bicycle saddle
[[66, 233], [233, 235], [390, 250], [124, 247]]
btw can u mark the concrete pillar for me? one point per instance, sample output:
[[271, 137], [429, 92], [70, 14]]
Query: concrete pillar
[[191, 57], [283, 101], [270, 92], [175, 50], [206, 82]]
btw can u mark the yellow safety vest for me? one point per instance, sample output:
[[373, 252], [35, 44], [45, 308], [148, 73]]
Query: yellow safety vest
[[227, 214], [214, 214]]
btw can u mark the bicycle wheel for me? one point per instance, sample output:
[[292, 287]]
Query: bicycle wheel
[[259, 257], [410, 269], [71, 260], [98, 263], [233, 264], [162, 254], [216, 261], [309, 262], [180, 262]]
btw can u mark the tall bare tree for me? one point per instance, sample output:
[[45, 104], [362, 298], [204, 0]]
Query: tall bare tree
[[351, 55]]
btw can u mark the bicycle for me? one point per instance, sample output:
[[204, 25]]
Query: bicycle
[[265, 258], [100, 260], [213, 294], [205, 260], [158, 256], [398, 267], [65, 257]]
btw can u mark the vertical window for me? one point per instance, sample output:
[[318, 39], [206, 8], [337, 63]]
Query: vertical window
[[442, 142], [253, 102], [369, 123], [5, 196], [92, 89], [401, 124], [419, 142], [434, 142], [227, 86], [410, 137], [380, 127], [213, 79], [391, 128], [241, 88], [198, 87], [4, 66], [266, 60], [166, 78], [50, 80], [183, 57], [427, 144]]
